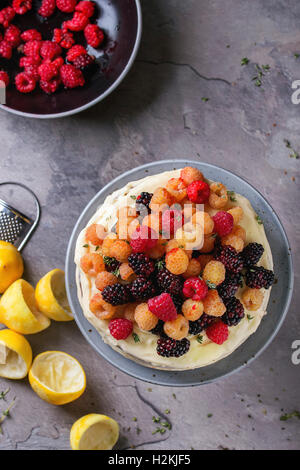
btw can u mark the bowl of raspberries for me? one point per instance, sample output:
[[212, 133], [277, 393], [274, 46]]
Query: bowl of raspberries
[[59, 57], [182, 269]]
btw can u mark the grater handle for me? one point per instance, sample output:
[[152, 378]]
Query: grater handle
[[38, 210]]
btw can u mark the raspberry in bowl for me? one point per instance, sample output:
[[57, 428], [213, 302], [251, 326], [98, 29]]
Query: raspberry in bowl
[[59, 57], [193, 303]]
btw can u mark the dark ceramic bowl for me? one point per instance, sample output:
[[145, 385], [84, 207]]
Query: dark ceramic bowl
[[121, 21]]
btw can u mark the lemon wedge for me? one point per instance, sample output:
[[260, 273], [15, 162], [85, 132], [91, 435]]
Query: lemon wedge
[[57, 377], [11, 265], [18, 309], [15, 355], [94, 432], [51, 296]]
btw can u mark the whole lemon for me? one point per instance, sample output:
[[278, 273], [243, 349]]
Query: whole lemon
[[11, 265]]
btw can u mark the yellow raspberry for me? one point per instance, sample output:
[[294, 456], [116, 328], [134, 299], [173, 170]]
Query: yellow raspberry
[[160, 200], [107, 243], [95, 234], [177, 261], [153, 221], [204, 259], [159, 249], [145, 319], [213, 304], [252, 298], [126, 272], [236, 242], [214, 272], [122, 227], [171, 245], [120, 250], [104, 279], [193, 269], [192, 309], [237, 214], [178, 328], [205, 221], [190, 236], [218, 197], [129, 310], [100, 308], [208, 244], [190, 174], [239, 232], [92, 264], [177, 188]]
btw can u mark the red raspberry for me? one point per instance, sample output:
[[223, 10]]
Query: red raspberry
[[83, 61], [86, 7], [22, 6], [31, 35], [4, 78], [5, 50], [171, 221], [94, 35], [163, 307], [77, 23], [47, 71], [27, 61], [217, 332], [32, 71], [195, 288], [67, 6], [75, 52], [120, 328], [50, 50], [6, 16], [198, 192], [143, 239], [58, 62], [24, 83], [64, 38], [47, 8], [50, 86], [12, 35], [223, 223], [32, 48], [71, 77]]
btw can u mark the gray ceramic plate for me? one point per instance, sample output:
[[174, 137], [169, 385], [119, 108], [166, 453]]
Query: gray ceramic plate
[[278, 304]]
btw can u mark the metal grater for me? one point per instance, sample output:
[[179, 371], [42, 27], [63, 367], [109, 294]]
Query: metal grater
[[16, 227]]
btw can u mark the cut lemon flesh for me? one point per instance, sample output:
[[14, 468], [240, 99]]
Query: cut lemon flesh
[[15, 355], [11, 265], [57, 377], [94, 432], [18, 309], [51, 297]]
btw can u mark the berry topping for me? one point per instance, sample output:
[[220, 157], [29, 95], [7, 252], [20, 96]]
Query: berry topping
[[93, 35], [22, 6], [31, 35], [5, 50], [142, 202], [198, 192], [258, 277], [144, 238], [231, 259], [25, 83], [168, 347], [223, 223], [83, 61], [230, 285], [142, 289], [67, 6], [252, 253], [217, 332], [12, 35], [71, 77], [111, 264], [75, 52], [141, 264], [6, 16], [50, 50], [77, 23], [64, 38], [86, 7], [47, 8], [234, 311], [195, 288], [168, 282], [120, 328], [116, 294], [163, 307], [195, 327]]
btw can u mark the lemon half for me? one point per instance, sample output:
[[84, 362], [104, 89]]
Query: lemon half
[[18, 309], [11, 265], [94, 432], [57, 377], [51, 297], [15, 355]]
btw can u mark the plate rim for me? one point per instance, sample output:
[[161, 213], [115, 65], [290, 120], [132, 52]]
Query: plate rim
[[103, 95], [153, 379]]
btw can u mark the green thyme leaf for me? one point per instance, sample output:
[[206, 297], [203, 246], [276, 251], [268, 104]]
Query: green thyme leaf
[[258, 220], [200, 339], [136, 338], [4, 393], [244, 61], [249, 317], [205, 99], [231, 195], [211, 285], [287, 416], [85, 246], [133, 197], [156, 419], [209, 415]]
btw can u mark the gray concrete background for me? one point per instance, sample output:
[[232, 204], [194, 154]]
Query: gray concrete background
[[189, 50]]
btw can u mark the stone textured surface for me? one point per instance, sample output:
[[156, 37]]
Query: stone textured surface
[[190, 50]]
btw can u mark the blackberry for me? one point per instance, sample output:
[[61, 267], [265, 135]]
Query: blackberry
[[230, 285], [195, 327], [116, 294], [231, 259], [111, 264], [142, 203], [169, 347], [84, 62], [159, 329], [258, 277], [142, 289], [177, 301], [251, 254], [141, 264], [168, 282], [234, 312]]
